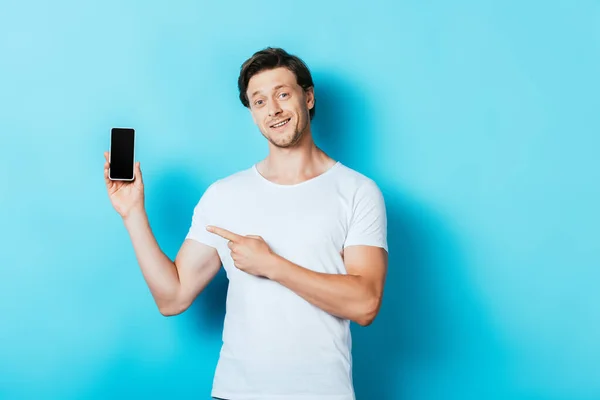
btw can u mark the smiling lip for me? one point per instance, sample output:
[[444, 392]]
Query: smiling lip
[[280, 124]]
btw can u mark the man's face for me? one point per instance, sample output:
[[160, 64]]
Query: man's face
[[279, 106]]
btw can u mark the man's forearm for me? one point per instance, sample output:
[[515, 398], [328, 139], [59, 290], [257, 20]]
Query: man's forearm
[[345, 296], [158, 270]]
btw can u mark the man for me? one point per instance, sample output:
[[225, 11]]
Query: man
[[303, 241]]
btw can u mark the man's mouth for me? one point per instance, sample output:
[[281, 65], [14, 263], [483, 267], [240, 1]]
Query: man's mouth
[[280, 124]]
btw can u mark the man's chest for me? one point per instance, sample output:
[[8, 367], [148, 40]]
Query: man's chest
[[293, 226]]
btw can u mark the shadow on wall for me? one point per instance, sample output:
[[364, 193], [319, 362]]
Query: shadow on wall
[[407, 329]]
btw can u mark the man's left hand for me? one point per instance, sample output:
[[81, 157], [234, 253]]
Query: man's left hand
[[250, 253]]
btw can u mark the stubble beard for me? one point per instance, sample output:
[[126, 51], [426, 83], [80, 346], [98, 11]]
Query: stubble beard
[[287, 140]]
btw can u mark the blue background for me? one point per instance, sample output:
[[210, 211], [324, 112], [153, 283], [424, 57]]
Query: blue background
[[479, 120]]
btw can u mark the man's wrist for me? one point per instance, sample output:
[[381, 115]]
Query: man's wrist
[[276, 266], [135, 217]]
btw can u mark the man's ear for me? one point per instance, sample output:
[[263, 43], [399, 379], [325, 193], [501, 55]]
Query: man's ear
[[310, 97]]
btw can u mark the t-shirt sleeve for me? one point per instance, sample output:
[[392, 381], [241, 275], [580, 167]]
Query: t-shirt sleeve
[[202, 217], [368, 224]]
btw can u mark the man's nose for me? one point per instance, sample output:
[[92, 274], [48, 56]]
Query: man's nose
[[274, 108]]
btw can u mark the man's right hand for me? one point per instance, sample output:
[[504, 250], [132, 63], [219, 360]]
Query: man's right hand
[[126, 197]]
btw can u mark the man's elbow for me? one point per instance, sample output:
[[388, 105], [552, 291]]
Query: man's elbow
[[366, 320], [369, 312], [172, 309]]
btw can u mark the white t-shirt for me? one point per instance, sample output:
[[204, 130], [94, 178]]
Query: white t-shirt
[[276, 345]]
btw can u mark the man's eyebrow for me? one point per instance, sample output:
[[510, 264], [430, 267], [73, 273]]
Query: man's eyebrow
[[275, 88]]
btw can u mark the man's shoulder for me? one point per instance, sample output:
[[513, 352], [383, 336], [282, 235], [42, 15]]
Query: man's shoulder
[[350, 177], [233, 181]]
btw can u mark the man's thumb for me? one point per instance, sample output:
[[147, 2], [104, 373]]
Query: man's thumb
[[138, 172]]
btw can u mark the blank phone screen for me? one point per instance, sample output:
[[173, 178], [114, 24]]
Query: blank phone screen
[[122, 153]]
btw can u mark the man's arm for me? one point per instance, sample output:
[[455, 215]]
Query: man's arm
[[174, 285], [355, 296]]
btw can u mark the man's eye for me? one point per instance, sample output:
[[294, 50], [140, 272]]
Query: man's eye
[[283, 95], [258, 102]]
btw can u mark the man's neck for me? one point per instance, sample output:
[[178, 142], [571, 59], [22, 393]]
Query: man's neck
[[294, 165]]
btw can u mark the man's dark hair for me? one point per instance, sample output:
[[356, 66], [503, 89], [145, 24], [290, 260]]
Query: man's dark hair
[[271, 58]]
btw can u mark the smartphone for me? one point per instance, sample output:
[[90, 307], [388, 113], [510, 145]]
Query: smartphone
[[122, 154]]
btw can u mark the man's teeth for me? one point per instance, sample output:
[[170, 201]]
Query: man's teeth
[[281, 123]]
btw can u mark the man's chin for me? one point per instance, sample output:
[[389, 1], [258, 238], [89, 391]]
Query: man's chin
[[282, 144], [285, 142]]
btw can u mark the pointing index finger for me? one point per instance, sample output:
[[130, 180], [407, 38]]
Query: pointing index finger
[[224, 233]]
